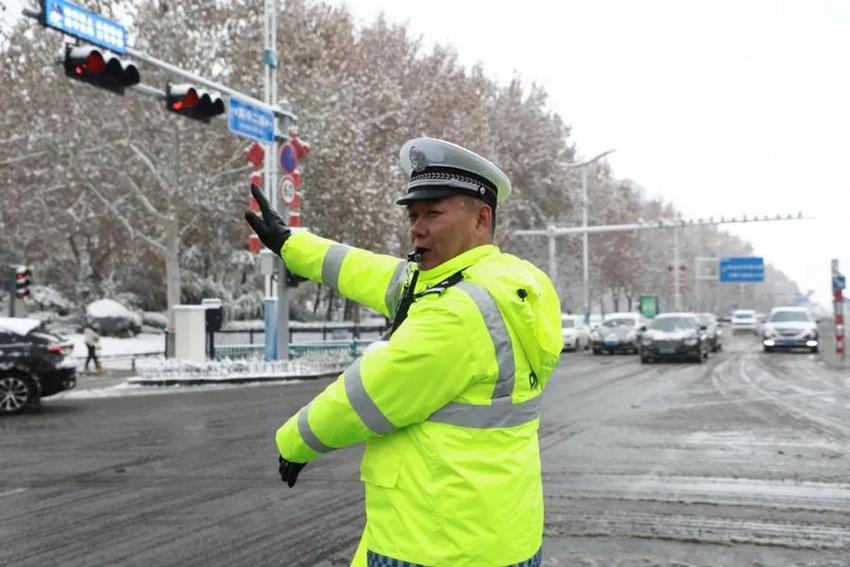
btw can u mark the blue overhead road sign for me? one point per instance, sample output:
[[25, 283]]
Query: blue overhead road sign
[[84, 24], [250, 120], [743, 269]]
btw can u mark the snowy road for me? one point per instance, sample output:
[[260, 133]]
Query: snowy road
[[739, 461]]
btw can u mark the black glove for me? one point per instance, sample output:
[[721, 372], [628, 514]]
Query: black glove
[[271, 229], [289, 471]]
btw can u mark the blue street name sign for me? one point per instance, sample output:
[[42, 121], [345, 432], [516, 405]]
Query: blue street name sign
[[251, 121], [84, 24], [743, 269], [838, 282]]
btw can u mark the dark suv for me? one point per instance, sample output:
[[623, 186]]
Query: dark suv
[[33, 364]]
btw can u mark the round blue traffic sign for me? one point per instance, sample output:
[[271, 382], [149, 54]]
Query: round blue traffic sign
[[288, 158]]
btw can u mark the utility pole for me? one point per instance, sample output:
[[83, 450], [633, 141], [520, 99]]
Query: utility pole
[[677, 292], [585, 253], [283, 124], [552, 233]]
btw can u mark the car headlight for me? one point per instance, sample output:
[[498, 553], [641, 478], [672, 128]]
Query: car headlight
[[691, 341], [719, 333]]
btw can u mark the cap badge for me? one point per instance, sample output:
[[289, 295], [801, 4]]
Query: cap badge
[[417, 159]]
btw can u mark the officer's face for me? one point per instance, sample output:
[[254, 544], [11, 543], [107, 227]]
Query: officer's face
[[440, 230]]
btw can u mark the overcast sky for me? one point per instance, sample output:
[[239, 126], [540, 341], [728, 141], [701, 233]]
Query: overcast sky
[[726, 107]]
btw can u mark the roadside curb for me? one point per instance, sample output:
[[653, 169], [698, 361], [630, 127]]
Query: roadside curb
[[138, 381]]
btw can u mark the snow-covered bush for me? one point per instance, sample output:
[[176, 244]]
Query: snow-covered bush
[[113, 319], [154, 319], [43, 298]]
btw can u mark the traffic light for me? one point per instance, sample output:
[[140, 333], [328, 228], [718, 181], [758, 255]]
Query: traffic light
[[186, 100], [23, 279], [89, 64]]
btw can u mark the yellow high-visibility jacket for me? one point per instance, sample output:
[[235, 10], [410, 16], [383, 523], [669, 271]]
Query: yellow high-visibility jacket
[[448, 408]]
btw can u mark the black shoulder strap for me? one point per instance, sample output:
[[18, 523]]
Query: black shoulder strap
[[404, 305], [439, 288], [409, 296]]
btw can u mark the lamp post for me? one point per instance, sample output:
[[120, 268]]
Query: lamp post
[[585, 260], [551, 233]]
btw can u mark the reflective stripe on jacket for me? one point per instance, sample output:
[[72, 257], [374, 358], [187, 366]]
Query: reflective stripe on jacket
[[448, 408]]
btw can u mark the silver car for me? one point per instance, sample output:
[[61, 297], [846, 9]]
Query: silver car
[[790, 327], [620, 332]]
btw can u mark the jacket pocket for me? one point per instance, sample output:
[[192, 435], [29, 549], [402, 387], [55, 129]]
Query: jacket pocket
[[380, 467]]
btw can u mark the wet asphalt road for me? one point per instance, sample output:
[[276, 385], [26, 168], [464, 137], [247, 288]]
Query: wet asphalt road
[[743, 460]]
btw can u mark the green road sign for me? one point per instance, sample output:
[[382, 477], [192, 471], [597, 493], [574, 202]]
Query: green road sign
[[649, 305]]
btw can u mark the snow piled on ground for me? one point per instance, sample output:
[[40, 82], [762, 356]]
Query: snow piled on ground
[[111, 347], [126, 389]]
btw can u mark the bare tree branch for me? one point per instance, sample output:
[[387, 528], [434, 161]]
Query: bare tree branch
[[157, 246]]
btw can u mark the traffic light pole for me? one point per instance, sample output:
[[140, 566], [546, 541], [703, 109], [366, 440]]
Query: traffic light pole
[[270, 169]]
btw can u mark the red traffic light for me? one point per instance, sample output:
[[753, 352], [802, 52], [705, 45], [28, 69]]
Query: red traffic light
[[90, 65], [23, 279], [189, 100], [192, 102], [94, 64]]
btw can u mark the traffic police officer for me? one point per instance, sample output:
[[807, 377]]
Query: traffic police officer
[[449, 406]]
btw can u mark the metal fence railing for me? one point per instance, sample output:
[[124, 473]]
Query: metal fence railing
[[306, 338]]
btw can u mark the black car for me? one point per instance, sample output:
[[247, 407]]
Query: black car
[[674, 336], [33, 364], [713, 334]]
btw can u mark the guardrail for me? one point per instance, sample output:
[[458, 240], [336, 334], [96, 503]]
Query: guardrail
[[351, 348], [248, 342]]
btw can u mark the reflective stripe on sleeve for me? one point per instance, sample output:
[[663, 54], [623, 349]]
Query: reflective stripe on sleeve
[[395, 288], [363, 405], [501, 413], [498, 334], [307, 434], [332, 264]]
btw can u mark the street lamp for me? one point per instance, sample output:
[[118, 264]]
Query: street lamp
[[585, 261], [552, 232]]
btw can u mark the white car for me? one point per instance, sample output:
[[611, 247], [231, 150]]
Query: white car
[[744, 320], [790, 327], [575, 332]]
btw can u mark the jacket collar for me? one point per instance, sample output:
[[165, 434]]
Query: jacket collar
[[435, 275]]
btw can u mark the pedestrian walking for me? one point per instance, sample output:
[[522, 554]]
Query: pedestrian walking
[[449, 406], [92, 340]]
